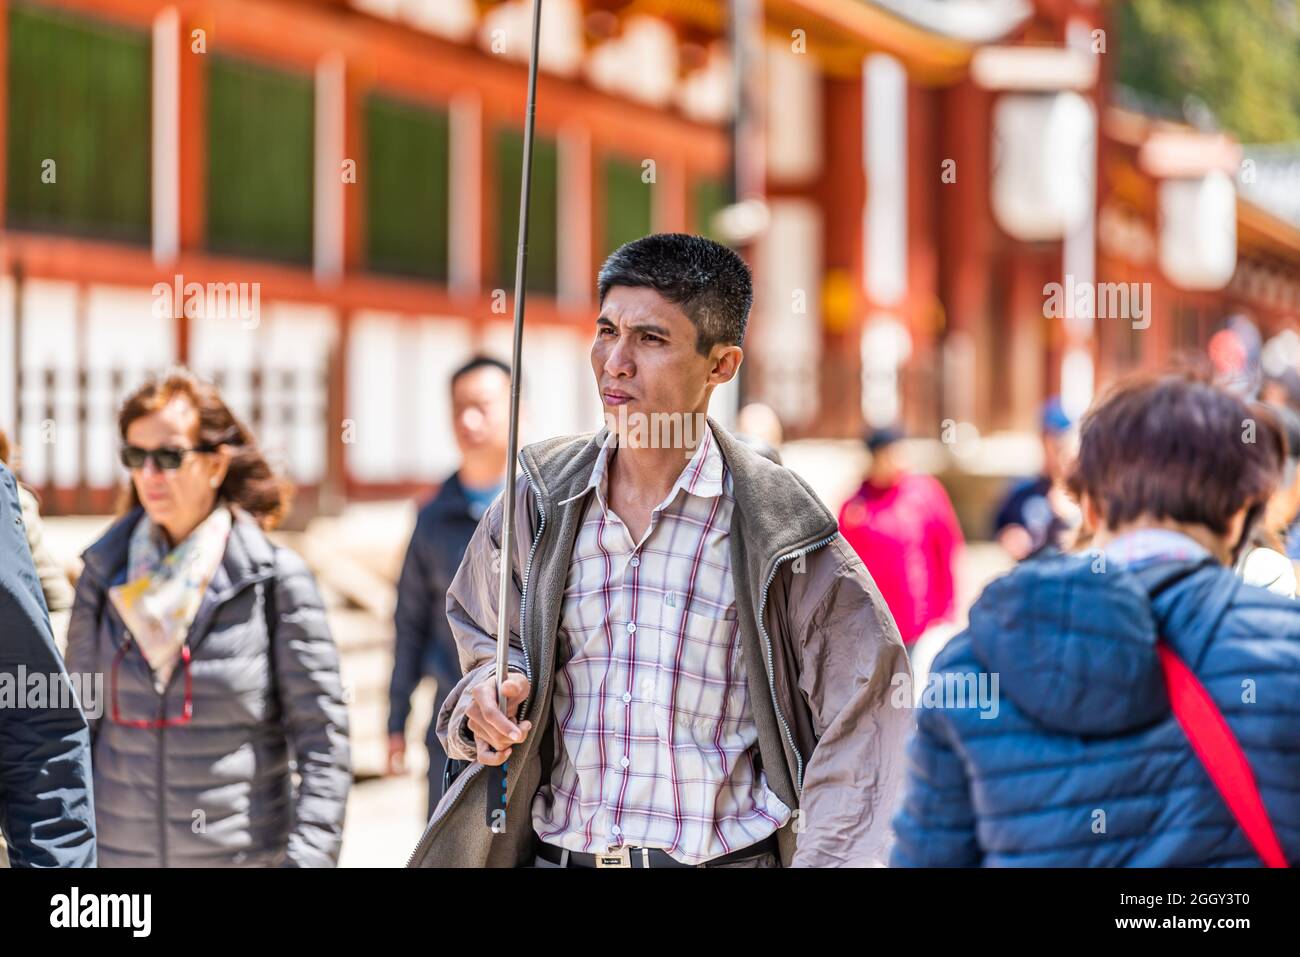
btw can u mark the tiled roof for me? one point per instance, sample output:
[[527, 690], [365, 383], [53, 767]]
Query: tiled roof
[[1273, 181]]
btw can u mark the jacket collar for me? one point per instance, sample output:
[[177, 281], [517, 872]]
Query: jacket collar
[[703, 474], [249, 554], [451, 496], [776, 516], [774, 506]]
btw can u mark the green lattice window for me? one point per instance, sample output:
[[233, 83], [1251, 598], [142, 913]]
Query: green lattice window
[[543, 216], [707, 198], [407, 188], [627, 204], [78, 138], [259, 157]]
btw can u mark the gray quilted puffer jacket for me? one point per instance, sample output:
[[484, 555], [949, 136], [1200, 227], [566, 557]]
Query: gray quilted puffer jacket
[[218, 791]]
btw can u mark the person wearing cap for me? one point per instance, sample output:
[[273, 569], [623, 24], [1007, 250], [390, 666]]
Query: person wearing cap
[[903, 527], [1036, 514]]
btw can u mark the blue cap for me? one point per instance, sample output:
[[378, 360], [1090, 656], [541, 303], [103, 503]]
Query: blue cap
[[879, 438], [1055, 420]]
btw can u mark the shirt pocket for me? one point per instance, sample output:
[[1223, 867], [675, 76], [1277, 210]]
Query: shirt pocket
[[701, 675]]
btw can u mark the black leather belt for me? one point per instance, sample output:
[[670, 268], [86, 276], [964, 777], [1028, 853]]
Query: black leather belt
[[628, 856]]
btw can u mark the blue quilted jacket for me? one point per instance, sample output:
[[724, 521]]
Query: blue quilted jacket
[[1078, 760]]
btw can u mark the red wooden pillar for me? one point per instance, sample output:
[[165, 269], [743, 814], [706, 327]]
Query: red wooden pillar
[[195, 39], [841, 193], [355, 92], [968, 246], [193, 132], [927, 192]]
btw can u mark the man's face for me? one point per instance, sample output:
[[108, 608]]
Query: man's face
[[645, 359], [480, 406]]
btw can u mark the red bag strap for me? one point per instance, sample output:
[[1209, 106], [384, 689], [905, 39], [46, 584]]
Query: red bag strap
[[1218, 749]]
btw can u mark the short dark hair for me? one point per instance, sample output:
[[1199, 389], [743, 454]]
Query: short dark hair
[[710, 282], [476, 363], [1176, 446]]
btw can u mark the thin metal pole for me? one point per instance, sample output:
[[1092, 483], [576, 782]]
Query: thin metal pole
[[19, 319], [496, 800]]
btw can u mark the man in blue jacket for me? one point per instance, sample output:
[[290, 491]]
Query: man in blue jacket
[[46, 807], [480, 398]]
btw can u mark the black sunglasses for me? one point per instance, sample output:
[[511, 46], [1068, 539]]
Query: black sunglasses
[[166, 459]]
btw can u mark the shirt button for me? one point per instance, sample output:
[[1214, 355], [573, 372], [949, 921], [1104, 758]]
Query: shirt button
[[626, 697], [631, 628], [616, 830], [624, 761], [635, 562]]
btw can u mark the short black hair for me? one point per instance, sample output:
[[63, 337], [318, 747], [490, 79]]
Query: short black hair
[[710, 282], [476, 363]]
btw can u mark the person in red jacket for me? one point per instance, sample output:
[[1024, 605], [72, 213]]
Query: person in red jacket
[[903, 527]]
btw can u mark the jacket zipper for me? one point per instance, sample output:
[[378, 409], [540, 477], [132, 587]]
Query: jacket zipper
[[466, 776], [523, 588], [162, 784], [162, 765], [771, 663], [162, 730]]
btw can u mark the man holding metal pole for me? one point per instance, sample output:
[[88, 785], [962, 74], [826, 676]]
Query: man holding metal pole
[[704, 670], [679, 662]]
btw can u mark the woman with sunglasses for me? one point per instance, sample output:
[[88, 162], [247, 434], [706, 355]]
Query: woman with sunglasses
[[217, 661]]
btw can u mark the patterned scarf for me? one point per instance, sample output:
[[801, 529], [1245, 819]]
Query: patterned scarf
[[165, 586]]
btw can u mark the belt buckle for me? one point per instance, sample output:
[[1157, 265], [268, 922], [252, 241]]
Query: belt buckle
[[615, 857]]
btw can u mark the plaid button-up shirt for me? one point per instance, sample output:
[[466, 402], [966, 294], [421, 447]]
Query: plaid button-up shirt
[[656, 738]]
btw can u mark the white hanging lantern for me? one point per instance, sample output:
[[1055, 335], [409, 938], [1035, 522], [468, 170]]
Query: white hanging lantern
[[1198, 230], [1043, 159]]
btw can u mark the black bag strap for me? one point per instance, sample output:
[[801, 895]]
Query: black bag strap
[[97, 624], [270, 611]]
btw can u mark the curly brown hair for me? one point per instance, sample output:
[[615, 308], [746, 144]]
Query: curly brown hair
[[250, 482]]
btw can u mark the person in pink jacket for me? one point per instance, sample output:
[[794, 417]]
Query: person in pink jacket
[[903, 527]]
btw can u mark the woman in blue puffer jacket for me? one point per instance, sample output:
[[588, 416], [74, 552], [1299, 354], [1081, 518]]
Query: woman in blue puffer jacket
[[1077, 760]]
